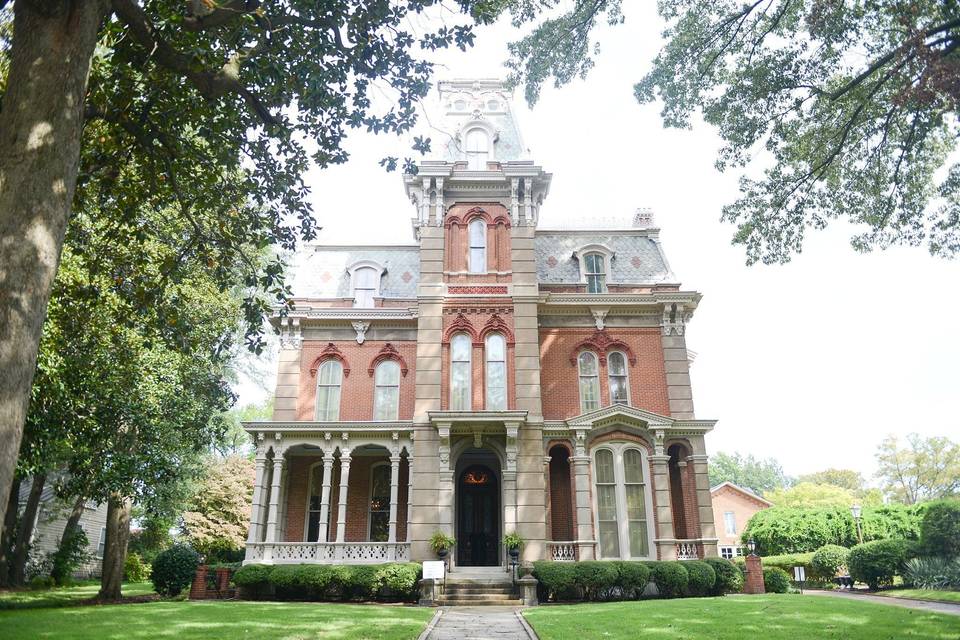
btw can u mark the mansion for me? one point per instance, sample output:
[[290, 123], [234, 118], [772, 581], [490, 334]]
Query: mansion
[[492, 377]]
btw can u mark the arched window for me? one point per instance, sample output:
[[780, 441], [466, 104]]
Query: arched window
[[496, 354], [379, 502], [478, 246], [478, 149], [460, 372], [589, 381], [386, 400], [617, 376], [365, 286], [328, 391], [623, 506], [313, 506], [595, 273]]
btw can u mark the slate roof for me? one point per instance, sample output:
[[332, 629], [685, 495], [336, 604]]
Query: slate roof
[[638, 259], [321, 271]]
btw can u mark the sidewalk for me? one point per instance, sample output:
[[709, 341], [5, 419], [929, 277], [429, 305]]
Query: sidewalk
[[922, 605], [478, 623]]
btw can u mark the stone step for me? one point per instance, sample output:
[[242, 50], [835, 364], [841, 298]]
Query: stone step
[[444, 601], [472, 590]]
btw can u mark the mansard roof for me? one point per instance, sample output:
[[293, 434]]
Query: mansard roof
[[320, 271], [638, 257]]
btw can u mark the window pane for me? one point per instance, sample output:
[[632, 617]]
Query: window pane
[[496, 386], [460, 348], [588, 364], [635, 504], [589, 393], [460, 386], [594, 263], [478, 233], [606, 502], [379, 526], [730, 523], [316, 485], [638, 539], [595, 284], [478, 260], [618, 389], [617, 364], [388, 373], [385, 403], [604, 466], [609, 540], [363, 298], [496, 347], [632, 466]]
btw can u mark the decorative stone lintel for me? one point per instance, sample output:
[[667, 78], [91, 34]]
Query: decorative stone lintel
[[599, 315]]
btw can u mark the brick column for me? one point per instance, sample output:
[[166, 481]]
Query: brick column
[[753, 582], [344, 484], [198, 589], [325, 495]]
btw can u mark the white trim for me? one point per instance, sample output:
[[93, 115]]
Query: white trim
[[101, 542], [608, 254], [626, 374], [353, 268], [618, 448], [373, 468], [730, 524], [339, 385], [376, 386], [483, 229]]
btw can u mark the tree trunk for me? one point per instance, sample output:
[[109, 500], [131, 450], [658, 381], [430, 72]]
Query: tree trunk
[[40, 127], [8, 532], [115, 547], [75, 514], [25, 532]]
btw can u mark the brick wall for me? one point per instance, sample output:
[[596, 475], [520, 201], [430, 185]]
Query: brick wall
[[743, 506], [477, 315], [560, 378], [456, 251], [356, 391]]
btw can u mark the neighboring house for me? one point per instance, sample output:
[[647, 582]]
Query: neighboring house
[[733, 506], [492, 377], [52, 518]]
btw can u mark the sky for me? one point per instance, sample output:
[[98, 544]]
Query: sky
[[812, 363]]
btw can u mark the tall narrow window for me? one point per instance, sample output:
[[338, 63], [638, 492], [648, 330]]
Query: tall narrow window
[[328, 391], [379, 502], [313, 507], [386, 401], [460, 372], [496, 352], [478, 149], [364, 286], [589, 381], [607, 505], [636, 505], [617, 375], [478, 246], [730, 523], [595, 272]]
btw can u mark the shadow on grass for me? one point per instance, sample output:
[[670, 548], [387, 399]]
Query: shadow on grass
[[70, 596]]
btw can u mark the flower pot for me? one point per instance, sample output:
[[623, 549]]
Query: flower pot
[[514, 553], [442, 553]]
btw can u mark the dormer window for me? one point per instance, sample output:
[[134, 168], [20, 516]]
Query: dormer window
[[365, 283], [478, 246], [478, 149], [595, 272]]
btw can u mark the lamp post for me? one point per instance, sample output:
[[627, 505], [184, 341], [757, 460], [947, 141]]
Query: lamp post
[[856, 510], [752, 546]]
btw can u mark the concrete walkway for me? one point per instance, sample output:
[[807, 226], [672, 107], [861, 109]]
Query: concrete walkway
[[478, 623], [922, 605]]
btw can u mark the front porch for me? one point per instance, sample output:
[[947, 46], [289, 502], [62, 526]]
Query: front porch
[[330, 497]]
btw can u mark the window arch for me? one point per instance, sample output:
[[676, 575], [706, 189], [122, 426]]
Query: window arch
[[379, 507], [617, 378], [478, 149], [460, 372], [495, 350], [623, 503], [386, 399], [329, 379], [478, 245], [589, 381]]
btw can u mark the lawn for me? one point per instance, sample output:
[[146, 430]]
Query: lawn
[[64, 596], [770, 617], [218, 619], [922, 594]]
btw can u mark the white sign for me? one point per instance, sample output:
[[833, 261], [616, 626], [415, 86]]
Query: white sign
[[799, 574], [433, 569]]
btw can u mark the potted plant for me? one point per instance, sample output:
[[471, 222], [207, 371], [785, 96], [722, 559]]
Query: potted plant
[[441, 543], [513, 542]]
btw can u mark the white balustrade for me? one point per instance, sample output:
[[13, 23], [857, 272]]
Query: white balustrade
[[687, 550], [328, 552], [563, 551]]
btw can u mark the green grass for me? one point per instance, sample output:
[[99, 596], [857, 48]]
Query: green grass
[[922, 594], [64, 596], [212, 620], [769, 617]]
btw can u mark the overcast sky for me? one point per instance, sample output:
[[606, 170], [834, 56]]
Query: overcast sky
[[812, 363]]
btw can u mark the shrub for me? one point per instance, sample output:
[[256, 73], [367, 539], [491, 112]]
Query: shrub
[[253, 580], [70, 555], [174, 569], [877, 562], [135, 569], [557, 579], [776, 580], [632, 578], [701, 578], [400, 581], [670, 577], [729, 577], [829, 560], [932, 572], [390, 581], [42, 582], [940, 528], [595, 578]]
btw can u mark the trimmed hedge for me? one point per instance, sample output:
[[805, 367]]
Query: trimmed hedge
[[671, 578], [729, 577], [701, 578], [390, 582], [940, 528], [877, 562], [829, 560], [592, 580], [776, 580]]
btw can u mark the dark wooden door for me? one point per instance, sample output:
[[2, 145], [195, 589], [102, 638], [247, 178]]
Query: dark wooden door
[[478, 516]]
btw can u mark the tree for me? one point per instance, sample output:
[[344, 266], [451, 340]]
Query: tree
[[851, 106], [808, 494], [926, 469], [847, 479], [218, 514], [235, 440], [211, 102], [760, 476]]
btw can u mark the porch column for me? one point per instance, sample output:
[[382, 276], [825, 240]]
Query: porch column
[[274, 511], [708, 533], [344, 485], [409, 493], [584, 531], [325, 495], [665, 538], [394, 496], [256, 509]]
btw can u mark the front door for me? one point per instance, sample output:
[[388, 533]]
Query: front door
[[478, 518]]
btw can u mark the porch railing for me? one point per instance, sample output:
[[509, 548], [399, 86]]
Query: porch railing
[[688, 550], [327, 552], [562, 551]]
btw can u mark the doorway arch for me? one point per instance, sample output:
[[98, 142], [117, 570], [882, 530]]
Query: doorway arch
[[479, 517]]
